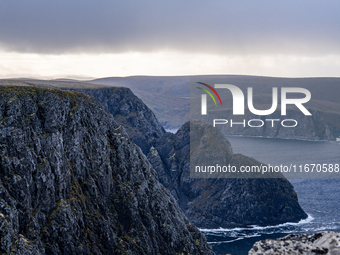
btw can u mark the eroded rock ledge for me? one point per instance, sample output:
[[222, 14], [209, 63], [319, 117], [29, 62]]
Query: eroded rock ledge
[[318, 243]]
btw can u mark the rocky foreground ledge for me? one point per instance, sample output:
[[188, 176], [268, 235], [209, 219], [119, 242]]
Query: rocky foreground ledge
[[318, 243]]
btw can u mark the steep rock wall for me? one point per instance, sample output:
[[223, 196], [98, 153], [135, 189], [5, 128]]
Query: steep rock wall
[[72, 182]]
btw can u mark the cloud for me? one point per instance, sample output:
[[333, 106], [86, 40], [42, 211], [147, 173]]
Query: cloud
[[306, 27]]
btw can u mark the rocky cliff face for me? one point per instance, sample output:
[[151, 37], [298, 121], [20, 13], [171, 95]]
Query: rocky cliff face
[[72, 182], [209, 203], [214, 203], [128, 110]]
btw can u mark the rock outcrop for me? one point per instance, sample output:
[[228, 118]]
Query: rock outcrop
[[318, 243], [128, 110], [72, 182], [209, 203], [221, 202]]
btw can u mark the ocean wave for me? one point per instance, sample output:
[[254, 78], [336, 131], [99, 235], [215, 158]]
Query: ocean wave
[[255, 227], [309, 219], [230, 241], [222, 236], [234, 240], [325, 226]]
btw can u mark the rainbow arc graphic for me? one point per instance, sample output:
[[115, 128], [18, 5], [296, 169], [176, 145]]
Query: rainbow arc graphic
[[209, 93]]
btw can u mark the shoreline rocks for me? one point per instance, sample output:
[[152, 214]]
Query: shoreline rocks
[[325, 242]]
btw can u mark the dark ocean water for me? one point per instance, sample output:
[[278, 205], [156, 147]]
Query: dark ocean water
[[320, 198]]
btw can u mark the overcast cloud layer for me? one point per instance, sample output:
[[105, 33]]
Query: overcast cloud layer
[[307, 27]]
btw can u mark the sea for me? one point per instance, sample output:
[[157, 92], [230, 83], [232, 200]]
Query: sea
[[319, 198]]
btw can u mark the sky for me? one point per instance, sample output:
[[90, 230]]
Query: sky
[[86, 39]]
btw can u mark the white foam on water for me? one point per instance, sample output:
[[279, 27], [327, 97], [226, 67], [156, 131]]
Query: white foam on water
[[218, 230], [237, 234], [328, 226], [237, 239], [301, 222], [230, 241], [255, 227]]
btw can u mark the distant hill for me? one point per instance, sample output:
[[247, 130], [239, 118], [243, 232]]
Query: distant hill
[[60, 84], [169, 98]]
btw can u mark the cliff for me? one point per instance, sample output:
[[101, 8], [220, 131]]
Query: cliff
[[128, 110], [72, 182], [221, 202], [167, 97], [204, 201]]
